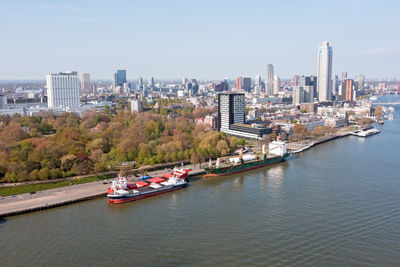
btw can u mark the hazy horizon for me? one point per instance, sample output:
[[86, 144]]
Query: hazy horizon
[[206, 40]]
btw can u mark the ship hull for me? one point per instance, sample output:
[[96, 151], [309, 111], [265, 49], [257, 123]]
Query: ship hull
[[244, 167], [128, 198]]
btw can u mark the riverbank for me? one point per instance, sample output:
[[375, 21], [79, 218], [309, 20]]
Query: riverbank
[[57, 197], [297, 147]]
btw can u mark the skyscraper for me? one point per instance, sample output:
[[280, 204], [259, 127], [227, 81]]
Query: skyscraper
[[257, 80], [151, 81], [239, 83], [139, 86], [360, 82], [119, 78], [298, 95], [227, 83], [230, 110], [63, 89], [277, 84], [269, 80], [335, 86], [324, 72], [349, 89], [246, 84], [257, 84], [85, 83]]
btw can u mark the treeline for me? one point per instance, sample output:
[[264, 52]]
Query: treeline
[[48, 146]]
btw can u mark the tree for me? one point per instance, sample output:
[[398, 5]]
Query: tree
[[379, 112], [300, 131], [44, 174], [223, 148]]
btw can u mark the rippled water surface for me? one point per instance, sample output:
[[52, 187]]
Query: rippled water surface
[[337, 204]]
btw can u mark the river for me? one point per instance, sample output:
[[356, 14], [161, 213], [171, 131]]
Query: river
[[337, 204]]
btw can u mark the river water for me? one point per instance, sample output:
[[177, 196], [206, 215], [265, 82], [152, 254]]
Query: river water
[[337, 204]]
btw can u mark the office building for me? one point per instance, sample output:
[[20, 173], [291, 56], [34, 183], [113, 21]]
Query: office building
[[136, 105], [231, 117], [239, 83], [93, 90], [220, 87], [246, 84], [257, 84], [63, 90], [85, 83], [151, 81], [335, 86], [349, 90], [119, 78], [309, 85], [298, 95], [277, 84], [269, 80], [360, 82], [324, 72], [230, 109], [227, 83]]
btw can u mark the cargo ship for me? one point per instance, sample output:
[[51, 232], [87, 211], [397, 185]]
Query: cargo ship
[[244, 162], [121, 191]]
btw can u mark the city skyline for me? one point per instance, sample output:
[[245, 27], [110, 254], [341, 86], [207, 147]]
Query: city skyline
[[157, 43]]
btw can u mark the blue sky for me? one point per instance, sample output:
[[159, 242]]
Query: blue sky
[[197, 39]]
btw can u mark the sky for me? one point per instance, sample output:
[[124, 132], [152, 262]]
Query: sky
[[205, 39]]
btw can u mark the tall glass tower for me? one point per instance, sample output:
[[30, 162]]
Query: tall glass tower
[[269, 80], [324, 72]]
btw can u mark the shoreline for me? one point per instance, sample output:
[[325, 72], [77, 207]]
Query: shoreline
[[52, 198], [298, 147]]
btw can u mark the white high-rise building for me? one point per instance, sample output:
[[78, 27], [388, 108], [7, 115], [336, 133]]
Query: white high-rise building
[[136, 105], [63, 89], [85, 83], [324, 72], [277, 84], [269, 80], [151, 81]]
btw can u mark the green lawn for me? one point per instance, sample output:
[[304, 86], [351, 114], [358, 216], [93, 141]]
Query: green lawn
[[21, 189]]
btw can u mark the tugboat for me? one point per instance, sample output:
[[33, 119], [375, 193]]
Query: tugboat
[[121, 191], [244, 162]]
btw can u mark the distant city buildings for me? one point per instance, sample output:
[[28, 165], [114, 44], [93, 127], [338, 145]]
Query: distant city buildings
[[349, 85], [239, 82], [136, 106], [277, 84], [304, 89], [324, 72], [246, 84], [360, 82], [85, 83], [63, 90], [119, 78], [269, 80], [151, 81]]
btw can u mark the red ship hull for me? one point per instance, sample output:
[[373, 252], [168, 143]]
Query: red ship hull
[[128, 199]]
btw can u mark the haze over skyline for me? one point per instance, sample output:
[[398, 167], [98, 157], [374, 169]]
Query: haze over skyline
[[199, 39]]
